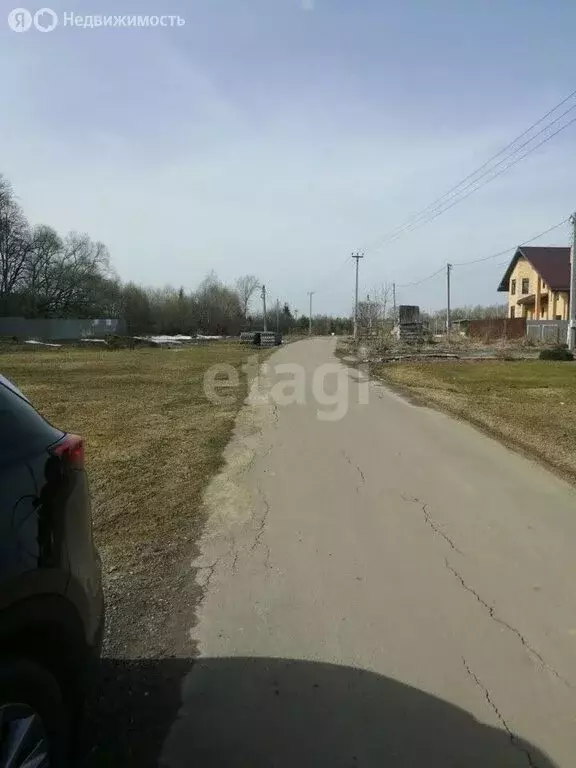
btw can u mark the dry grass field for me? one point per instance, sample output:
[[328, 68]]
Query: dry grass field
[[153, 440], [529, 404]]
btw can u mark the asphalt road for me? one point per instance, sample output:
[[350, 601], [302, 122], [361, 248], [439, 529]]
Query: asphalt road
[[387, 588]]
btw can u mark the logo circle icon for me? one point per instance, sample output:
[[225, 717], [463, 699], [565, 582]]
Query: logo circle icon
[[20, 20], [45, 20]]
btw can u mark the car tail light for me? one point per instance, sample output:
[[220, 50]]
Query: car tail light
[[71, 450]]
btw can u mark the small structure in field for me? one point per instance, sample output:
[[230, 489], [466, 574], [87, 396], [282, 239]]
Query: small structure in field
[[409, 327], [261, 338]]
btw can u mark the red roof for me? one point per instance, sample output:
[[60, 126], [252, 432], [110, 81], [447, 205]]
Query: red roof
[[551, 263]]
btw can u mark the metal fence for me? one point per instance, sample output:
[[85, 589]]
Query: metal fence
[[548, 331], [490, 329], [58, 329]]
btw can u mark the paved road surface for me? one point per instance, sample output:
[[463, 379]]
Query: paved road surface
[[388, 589]]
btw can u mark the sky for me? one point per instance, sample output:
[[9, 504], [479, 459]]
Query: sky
[[275, 137]]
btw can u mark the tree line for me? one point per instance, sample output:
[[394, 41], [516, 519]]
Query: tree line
[[45, 274]]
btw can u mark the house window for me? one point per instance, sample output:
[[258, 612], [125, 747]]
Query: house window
[[513, 309], [525, 285], [557, 317], [513, 287]]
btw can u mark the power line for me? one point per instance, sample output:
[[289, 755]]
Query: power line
[[475, 189], [424, 279], [514, 247], [432, 207], [486, 258], [439, 210]]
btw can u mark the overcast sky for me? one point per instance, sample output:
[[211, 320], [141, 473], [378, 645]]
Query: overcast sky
[[276, 136]]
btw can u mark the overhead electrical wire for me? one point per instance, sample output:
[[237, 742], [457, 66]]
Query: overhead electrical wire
[[485, 258], [475, 189], [423, 280], [454, 195], [514, 247], [434, 208], [470, 184]]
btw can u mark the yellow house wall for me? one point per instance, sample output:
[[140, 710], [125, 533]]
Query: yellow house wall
[[561, 305], [522, 269], [557, 300]]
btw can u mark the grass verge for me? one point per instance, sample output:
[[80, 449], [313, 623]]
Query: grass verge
[[530, 405]]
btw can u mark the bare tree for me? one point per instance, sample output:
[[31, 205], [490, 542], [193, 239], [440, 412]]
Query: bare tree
[[382, 297], [369, 313], [15, 244], [246, 287], [66, 276]]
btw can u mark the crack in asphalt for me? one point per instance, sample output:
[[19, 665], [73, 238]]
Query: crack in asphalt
[[267, 558], [511, 735], [492, 613], [436, 528], [262, 524], [432, 523], [236, 550], [349, 460], [211, 569]]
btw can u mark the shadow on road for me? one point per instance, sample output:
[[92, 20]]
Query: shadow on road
[[272, 713]]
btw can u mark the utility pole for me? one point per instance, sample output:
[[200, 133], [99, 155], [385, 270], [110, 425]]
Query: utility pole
[[572, 305], [356, 256], [264, 303], [277, 315], [448, 318], [310, 293], [369, 313], [394, 300]]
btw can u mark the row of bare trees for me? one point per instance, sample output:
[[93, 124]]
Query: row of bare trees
[[213, 308], [43, 274]]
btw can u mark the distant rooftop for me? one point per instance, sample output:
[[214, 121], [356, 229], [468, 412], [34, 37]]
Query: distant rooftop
[[551, 263]]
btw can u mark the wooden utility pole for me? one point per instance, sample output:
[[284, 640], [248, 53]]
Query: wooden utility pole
[[572, 298], [264, 304], [448, 317], [356, 256], [310, 293]]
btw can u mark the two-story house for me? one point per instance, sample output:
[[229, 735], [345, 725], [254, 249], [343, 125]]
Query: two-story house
[[538, 283]]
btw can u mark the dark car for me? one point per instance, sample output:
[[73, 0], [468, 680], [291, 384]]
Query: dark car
[[51, 605]]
